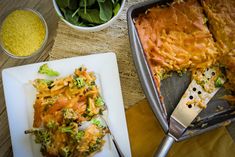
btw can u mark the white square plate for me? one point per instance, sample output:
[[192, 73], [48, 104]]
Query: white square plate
[[20, 95]]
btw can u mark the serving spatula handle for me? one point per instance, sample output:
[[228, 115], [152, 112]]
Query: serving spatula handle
[[165, 146]]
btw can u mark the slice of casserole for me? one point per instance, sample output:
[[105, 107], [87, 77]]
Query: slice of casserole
[[175, 38]]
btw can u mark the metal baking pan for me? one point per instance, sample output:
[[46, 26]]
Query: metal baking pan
[[218, 111]]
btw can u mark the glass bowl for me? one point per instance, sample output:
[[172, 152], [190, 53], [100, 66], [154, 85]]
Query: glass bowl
[[43, 43]]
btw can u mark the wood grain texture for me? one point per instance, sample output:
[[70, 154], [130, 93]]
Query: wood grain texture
[[45, 7]]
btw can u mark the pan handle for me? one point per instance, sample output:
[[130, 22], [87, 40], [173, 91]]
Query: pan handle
[[165, 146]]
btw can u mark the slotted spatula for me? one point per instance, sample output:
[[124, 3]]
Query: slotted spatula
[[195, 98]]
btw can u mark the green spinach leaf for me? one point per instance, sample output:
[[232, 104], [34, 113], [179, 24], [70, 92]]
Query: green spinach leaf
[[106, 10], [73, 4], [115, 1], [92, 16], [88, 3], [76, 11], [68, 15], [116, 9], [62, 3]]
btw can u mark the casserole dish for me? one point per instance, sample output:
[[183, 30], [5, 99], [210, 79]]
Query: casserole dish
[[163, 101]]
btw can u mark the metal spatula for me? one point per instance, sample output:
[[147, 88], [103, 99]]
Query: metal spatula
[[195, 98]]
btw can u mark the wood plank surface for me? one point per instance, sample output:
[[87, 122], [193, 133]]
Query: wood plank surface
[[45, 7]]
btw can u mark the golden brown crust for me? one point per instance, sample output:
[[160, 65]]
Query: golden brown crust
[[176, 38], [221, 19]]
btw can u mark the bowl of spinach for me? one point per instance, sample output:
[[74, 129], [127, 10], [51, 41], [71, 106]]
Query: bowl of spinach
[[88, 15]]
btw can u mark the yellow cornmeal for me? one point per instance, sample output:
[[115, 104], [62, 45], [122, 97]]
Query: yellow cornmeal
[[22, 32]]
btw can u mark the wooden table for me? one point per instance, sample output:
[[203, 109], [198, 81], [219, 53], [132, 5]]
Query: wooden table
[[46, 8]]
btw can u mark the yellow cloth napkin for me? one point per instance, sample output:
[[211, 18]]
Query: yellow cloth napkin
[[146, 134]]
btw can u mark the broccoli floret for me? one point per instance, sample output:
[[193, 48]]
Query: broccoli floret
[[79, 82], [99, 102], [43, 137], [69, 115], [79, 135], [96, 122], [73, 131], [95, 146], [65, 152], [52, 124], [44, 69], [43, 83], [219, 82], [72, 128], [93, 108], [48, 82]]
